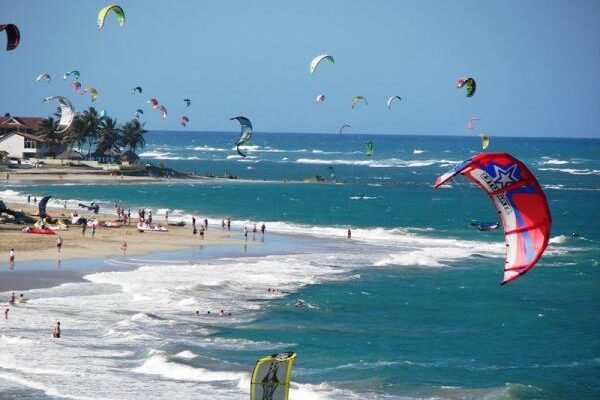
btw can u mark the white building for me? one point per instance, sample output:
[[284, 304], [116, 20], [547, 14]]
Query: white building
[[18, 138]]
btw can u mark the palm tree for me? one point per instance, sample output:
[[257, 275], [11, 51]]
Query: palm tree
[[132, 135], [47, 130], [108, 135], [75, 135], [91, 120]]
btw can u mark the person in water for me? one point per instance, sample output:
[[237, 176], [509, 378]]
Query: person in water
[[11, 258], [11, 299], [124, 247], [56, 330], [262, 228], [349, 234], [22, 299]]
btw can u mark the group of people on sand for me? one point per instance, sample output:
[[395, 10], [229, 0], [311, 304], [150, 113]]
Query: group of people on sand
[[220, 314], [12, 300]]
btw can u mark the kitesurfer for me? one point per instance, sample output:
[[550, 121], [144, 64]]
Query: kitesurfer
[[56, 330]]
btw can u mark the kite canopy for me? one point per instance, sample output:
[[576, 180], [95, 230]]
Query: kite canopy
[[136, 89], [320, 98], [138, 112], [271, 377], [471, 122], [92, 91], [469, 85], [356, 99], [117, 10], [246, 132], [13, 36], [344, 126], [520, 202], [76, 86], [184, 120], [45, 77], [163, 111], [188, 102], [369, 148], [153, 102], [69, 73], [389, 102], [67, 112], [317, 60], [485, 141], [42, 207]]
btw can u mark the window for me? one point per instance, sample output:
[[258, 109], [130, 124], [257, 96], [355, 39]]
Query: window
[[30, 144]]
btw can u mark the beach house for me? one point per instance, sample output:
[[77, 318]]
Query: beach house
[[20, 140]]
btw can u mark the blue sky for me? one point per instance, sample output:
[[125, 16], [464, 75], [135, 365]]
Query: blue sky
[[536, 63]]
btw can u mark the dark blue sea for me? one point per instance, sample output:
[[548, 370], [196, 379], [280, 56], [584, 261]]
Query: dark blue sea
[[409, 308]]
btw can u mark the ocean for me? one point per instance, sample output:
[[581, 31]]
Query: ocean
[[410, 308]]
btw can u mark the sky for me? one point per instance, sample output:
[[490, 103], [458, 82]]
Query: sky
[[536, 64]]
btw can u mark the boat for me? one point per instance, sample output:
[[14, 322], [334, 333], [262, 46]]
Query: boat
[[151, 228], [37, 230]]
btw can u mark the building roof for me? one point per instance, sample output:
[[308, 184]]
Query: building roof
[[21, 123], [70, 155], [25, 135]]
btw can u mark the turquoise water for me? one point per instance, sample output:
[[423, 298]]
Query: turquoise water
[[410, 308]]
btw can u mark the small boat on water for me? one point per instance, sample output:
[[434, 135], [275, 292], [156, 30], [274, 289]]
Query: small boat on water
[[151, 228], [37, 230]]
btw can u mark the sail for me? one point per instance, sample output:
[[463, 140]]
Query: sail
[[271, 377]]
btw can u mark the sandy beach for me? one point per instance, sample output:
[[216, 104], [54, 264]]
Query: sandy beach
[[106, 241]]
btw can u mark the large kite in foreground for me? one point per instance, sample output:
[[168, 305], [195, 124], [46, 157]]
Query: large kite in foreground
[[520, 202], [67, 112], [317, 60], [13, 36], [271, 377], [115, 9], [246, 133]]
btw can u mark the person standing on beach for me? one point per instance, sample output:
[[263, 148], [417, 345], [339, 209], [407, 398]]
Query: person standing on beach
[[58, 243], [93, 230], [124, 247], [262, 229], [167, 217], [202, 232], [28, 199], [222, 224], [35, 200], [11, 258], [193, 222], [349, 234], [56, 330], [129, 216], [246, 232], [228, 223], [206, 223]]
